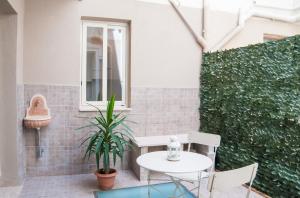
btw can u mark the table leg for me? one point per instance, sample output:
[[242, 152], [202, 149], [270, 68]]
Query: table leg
[[199, 183], [177, 188], [143, 172], [148, 179]]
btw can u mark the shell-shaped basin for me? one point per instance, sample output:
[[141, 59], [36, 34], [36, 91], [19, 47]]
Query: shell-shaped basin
[[37, 121], [38, 113]]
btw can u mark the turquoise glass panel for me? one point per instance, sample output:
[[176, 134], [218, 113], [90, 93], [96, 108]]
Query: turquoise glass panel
[[156, 191]]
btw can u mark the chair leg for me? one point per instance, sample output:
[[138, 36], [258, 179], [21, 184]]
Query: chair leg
[[211, 195], [212, 168], [189, 147]]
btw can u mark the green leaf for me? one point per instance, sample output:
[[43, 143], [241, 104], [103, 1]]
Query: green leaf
[[98, 161], [116, 139], [98, 145], [114, 155], [110, 109]]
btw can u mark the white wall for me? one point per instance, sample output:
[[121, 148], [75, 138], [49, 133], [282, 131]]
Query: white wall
[[163, 53], [18, 6], [218, 24], [11, 74], [255, 28], [221, 23], [8, 133]]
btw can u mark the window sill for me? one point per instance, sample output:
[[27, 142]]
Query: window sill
[[84, 108]]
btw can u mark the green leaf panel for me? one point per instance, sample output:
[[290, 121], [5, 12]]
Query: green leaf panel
[[251, 97]]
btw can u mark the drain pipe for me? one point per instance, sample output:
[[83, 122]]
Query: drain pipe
[[240, 25], [244, 17], [199, 40], [205, 11]]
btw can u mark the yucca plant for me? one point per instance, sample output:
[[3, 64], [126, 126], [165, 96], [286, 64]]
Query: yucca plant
[[109, 135]]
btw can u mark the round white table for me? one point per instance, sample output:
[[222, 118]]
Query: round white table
[[189, 163]]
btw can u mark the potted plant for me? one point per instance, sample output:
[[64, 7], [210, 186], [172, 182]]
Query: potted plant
[[108, 138]]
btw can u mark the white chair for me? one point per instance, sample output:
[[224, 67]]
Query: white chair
[[221, 181], [206, 139]]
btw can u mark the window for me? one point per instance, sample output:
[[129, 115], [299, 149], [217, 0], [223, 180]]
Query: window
[[104, 64]]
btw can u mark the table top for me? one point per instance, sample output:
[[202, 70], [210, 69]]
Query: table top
[[189, 162]]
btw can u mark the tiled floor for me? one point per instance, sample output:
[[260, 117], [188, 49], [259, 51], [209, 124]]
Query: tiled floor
[[83, 186]]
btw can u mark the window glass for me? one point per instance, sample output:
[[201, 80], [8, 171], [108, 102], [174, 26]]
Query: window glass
[[115, 52], [94, 64]]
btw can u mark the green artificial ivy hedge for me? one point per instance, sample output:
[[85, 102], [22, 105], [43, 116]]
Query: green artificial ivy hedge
[[251, 97]]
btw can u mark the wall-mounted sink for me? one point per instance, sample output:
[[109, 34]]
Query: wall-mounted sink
[[37, 116], [37, 121]]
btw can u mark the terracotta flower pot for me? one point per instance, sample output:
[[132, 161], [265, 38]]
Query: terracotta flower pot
[[106, 181]]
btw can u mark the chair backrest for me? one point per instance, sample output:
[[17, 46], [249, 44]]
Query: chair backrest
[[220, 181], [207, 139]]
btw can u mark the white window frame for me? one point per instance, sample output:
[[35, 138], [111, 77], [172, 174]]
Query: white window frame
[[119, 105]]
